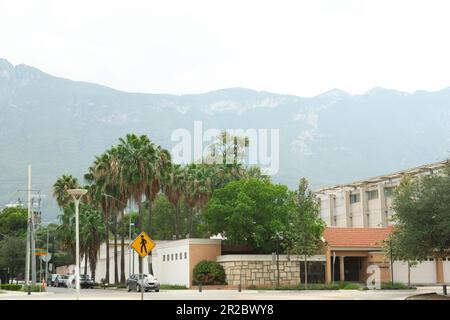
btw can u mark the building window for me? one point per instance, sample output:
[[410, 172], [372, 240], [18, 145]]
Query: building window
[[388, 192], [181, 256], [373, 194], [354, 198], [185, 255], [171, 256], [164, 257]]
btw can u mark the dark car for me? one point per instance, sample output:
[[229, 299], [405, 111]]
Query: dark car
[[86, 281], [136, 281], [61, 281]]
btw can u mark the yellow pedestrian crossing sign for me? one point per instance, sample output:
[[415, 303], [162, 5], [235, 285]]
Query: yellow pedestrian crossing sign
[[143, 244]]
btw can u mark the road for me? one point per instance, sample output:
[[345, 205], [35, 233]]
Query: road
[[121, 294]]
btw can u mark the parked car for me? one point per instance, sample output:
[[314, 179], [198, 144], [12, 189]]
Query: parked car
[[149, 283], [61, 281], [86, 281], [52, 279]]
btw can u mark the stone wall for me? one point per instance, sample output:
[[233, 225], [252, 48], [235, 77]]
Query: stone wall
[[260, 270]]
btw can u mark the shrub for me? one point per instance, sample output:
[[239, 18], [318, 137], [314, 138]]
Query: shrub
[[35, 288], [208, 272], [172, 287], [394, 286], [349, 286], [11, 287]]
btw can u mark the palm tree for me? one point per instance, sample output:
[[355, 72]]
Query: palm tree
[[60, 188], [92, 232], [197, 189], [66, 229], [102, 182], [173, 189], [134, 170]]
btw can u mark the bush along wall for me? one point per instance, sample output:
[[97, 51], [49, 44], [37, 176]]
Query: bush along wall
[[208, 273]]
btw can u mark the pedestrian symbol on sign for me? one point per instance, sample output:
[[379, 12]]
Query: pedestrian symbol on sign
[[143, 244]]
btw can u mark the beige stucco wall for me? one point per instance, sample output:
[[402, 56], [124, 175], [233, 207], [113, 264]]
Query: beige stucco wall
[[202, 249]]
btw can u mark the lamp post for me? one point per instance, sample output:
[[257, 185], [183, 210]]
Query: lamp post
[[76, 195], [392, 262]]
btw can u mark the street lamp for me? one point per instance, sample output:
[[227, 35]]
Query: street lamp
[[76, 195]]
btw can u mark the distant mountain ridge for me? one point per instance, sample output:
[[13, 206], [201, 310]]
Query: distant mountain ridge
[[59, 125]]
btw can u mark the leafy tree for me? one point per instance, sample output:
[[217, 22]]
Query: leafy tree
[[303, 233], [12, 255], [422, 216], [13, 222], [249, 211]]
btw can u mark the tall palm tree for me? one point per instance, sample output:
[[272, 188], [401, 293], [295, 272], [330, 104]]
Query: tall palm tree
[[92, 232], [173, 189], [60, 188], [134, 153], [197, 189], [102, 182]]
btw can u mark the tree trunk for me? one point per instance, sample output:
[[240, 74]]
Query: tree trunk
[[116, 266], [306, 272], [107, 251], [409, 274], [190, 222], [92, 264], [150, 227], [177, 221], [122, 255], [85, 263]]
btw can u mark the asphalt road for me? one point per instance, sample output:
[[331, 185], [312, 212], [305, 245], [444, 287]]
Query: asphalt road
[[121, 294]]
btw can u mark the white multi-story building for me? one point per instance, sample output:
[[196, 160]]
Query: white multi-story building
[[366, 203]]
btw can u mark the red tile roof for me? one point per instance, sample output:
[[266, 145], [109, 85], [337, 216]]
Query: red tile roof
[[356, 237]]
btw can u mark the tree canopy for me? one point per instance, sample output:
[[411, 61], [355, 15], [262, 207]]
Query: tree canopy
[[422, 216], [249, 211]]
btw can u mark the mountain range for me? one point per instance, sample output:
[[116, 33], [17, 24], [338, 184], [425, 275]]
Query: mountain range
[[58, 126]]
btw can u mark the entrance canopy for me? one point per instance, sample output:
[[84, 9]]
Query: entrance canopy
[[351, 250]]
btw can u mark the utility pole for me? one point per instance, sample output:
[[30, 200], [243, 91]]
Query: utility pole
[[28, 254], [46, 260], [33, 244]]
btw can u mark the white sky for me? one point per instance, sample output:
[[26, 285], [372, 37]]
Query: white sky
[[193, 46]]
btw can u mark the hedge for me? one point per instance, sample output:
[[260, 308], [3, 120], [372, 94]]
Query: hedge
[[11, 287]]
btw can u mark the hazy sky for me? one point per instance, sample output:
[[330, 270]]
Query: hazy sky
[[190, 46]]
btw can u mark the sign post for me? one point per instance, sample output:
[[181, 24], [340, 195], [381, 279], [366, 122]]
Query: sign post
[[143, 245]]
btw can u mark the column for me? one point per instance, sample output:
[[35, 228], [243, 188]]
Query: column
[[439, 270], [364, 205], [328, 266], [341, 268], [348, 220], [331, 209], [383, 207]]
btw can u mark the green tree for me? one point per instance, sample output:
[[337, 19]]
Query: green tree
[[13, 222], [303, 233], [422, 216], [12, 255], [249, 212]]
